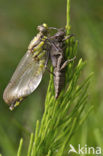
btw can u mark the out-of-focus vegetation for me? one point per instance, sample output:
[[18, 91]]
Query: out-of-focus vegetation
[[18, 21]]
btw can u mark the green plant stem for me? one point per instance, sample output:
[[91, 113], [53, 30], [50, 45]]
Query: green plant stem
[[68, 17], [30, 144], [20, 147]]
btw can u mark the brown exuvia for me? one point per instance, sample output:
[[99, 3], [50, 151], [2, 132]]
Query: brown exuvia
[[59, 63]]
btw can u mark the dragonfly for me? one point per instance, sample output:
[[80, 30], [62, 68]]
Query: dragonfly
[[57, 51], [29, 71]]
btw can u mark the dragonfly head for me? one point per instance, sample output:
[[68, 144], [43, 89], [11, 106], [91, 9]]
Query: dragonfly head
[[59, 36], [43, 28]]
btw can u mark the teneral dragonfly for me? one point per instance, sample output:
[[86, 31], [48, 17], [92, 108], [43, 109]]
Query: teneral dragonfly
[[29, 71]]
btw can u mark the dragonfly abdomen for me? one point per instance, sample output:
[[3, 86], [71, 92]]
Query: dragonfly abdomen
[[59, 81]]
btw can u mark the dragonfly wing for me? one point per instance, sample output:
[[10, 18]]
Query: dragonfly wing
[[25, 79]]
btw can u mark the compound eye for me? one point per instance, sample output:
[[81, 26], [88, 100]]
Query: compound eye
[[45, 25], [58, 38], [43, 28]]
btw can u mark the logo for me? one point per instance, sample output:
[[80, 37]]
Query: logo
[[85, 150]]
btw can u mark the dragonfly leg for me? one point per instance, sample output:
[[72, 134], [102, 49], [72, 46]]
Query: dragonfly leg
[[46, 67], [53, 44], [53, 28], [68, 37], [66, 62], [48, 55]]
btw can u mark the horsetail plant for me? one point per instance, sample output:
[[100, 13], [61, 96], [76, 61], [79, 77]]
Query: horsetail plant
[[62, 116]]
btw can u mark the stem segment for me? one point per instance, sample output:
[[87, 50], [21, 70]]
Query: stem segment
[[68, 17]]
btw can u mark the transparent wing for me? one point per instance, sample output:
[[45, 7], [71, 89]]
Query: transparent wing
[[25, 79]]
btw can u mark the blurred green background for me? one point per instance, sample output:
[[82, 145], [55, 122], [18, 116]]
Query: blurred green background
[[18, 21]]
